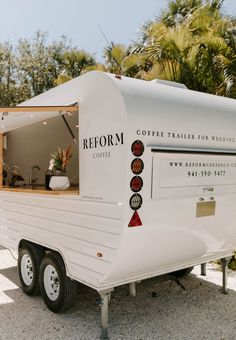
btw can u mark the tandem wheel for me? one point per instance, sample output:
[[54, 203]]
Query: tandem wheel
[[43, 271], [59, 292], [29, 259]]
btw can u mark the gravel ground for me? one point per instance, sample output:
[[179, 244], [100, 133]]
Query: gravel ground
[[161, 310]]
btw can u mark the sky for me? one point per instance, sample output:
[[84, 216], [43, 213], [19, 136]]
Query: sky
[[82, 21]]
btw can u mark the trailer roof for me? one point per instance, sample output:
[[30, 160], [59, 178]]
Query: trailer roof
[[65, 98]]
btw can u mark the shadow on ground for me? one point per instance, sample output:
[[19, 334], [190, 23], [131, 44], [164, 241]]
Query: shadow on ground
[[162, 309]]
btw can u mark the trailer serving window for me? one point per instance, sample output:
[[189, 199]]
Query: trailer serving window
[[183, 174], [33, 133]]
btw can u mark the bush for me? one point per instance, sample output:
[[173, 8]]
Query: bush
[[232, 262]]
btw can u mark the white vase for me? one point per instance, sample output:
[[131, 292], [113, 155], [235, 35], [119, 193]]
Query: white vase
[[59, 183]]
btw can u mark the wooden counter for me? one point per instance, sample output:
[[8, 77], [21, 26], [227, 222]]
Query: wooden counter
[[41, 191]]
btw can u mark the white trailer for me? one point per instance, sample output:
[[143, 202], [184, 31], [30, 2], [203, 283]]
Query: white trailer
[[157, 189]]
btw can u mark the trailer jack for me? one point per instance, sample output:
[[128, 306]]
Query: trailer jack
[[105, 299], [224, 262], [203, 269]]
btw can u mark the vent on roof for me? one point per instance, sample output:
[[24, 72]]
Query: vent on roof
[[169, 83]]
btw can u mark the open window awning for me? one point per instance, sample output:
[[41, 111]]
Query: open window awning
[[52, 103], [19, 116]]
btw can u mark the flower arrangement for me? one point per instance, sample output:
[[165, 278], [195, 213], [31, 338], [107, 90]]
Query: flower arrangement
[[60, 159]]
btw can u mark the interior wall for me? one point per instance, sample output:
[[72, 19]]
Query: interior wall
[[33, 145]]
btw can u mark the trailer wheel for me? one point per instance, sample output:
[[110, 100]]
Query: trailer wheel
[[182, 272], [29, 260], [58, 291]]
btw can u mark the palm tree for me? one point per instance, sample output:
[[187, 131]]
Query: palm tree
[[120, 60], [189, 49], [75, 63], [228, 85], [178, 10]]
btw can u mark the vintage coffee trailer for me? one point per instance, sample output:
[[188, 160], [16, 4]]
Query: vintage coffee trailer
[[157, 189]]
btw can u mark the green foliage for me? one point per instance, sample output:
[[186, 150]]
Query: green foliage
[[178, 10], [191, 43], [43, 65], [76, 61], [33, 67], [228, 66], [124, 60], [232, 263]]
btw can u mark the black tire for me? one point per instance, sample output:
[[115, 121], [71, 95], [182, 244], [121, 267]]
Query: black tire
[[59, 292], [182, 272], [29, 259]]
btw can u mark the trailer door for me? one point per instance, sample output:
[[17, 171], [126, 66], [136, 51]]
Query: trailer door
[[196, 174]]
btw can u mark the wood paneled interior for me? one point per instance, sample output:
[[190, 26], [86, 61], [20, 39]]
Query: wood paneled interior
[[1, 157]]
